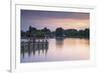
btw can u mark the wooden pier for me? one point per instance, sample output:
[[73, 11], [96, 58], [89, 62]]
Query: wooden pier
[[34, 45]]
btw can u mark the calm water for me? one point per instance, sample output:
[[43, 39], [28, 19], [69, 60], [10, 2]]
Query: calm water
[[56, 50]]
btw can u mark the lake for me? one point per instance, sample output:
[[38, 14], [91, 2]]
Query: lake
[[56, 50]]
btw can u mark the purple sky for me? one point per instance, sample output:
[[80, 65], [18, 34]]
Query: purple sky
[[53, 19]]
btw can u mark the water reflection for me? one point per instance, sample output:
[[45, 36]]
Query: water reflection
[[59, 42], [54, 49], [34, 46]]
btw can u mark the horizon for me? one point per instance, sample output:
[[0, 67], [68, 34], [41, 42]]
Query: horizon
[[56, 28]]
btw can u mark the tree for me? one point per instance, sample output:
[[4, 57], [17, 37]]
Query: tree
[[70, 33], [23, 34], [59, 32], [86, 31], [32, 31], [40, 34], [47, 32]]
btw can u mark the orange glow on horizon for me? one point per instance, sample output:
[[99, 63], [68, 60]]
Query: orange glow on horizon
[[66, 23]]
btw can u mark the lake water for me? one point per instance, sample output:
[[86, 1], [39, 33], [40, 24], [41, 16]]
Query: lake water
[[58, 50]]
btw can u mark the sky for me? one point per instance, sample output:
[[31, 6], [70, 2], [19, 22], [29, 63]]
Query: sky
[[53, 20]]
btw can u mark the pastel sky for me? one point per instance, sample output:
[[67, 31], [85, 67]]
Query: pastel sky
[[53, 20]]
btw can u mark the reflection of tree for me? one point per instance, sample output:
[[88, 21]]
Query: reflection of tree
[[22, 48], [59, 42]]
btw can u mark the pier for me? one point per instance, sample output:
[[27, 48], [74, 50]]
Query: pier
[[31, 46]]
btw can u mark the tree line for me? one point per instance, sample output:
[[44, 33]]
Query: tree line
[[58, 33]]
